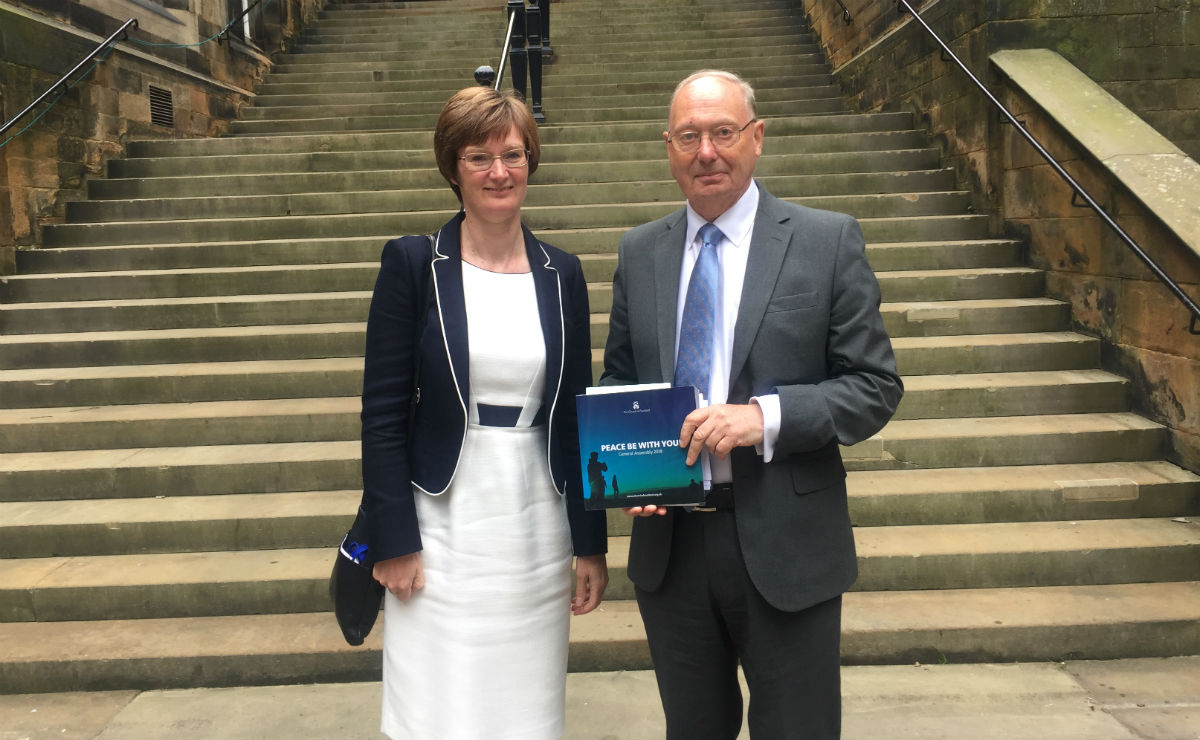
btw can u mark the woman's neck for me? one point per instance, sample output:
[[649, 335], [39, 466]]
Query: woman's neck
[[496, 247]]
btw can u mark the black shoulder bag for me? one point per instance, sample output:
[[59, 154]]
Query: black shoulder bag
[[355, 593]]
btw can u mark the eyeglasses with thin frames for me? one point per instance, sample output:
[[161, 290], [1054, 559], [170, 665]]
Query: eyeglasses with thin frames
[[510, 158], [688, 140]]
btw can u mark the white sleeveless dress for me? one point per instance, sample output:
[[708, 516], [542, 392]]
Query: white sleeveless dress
[[481, 651]]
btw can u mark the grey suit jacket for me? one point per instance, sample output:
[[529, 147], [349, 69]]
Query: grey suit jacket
[[809, 329]]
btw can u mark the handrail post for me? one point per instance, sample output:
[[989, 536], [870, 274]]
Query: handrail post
[[535, 60], [547, 52], [517, 56]]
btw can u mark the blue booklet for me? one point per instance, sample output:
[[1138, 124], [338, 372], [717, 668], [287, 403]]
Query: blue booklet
[[629, 446]]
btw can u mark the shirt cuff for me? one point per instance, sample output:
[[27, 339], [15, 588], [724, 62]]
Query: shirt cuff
[[769, 405]]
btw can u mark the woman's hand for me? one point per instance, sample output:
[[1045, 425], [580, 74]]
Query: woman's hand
[[403, 576], [591, 578]]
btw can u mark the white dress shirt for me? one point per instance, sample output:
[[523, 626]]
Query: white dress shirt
[[733, 251]]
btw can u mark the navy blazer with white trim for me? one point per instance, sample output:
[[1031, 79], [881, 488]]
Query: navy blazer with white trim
[[392, 465]]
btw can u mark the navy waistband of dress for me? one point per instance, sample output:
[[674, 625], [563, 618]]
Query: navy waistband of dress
[[506, 416]]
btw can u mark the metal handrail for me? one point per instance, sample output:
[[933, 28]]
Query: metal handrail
[[512, 20], [845, 12], [122, 32], [1194, 328]]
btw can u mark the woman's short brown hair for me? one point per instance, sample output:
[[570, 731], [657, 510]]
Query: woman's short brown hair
[[474, 115]]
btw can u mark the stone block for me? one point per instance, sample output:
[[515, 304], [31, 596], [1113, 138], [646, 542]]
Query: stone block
[[1154, 319], [129, 81], [1065, 245], [135, 107], [1135, 31], [1168, 28]]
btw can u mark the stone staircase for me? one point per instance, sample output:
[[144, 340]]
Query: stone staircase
[[179, 367]]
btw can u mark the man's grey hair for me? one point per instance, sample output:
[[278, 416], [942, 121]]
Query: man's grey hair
[[747, 91]]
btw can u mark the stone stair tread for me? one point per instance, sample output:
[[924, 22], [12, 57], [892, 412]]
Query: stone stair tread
[[319, 404], [138, 413], [979, 340], [1014, 379], [136, 334], [167, 509], [878, 627], [976, 541], [251, 298], [899, 483], [999, 426], [158, 457], [174, 271], [325, 267], [67, 374]]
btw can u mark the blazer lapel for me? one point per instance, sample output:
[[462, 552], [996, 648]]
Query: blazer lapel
[[768, 246], [452, 306], [668, 257]]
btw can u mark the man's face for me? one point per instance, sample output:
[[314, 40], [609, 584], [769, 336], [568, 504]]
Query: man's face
[[711, 178]]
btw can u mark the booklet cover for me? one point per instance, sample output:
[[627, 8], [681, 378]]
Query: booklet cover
[[629, 446]]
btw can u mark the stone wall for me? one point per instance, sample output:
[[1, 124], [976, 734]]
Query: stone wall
[[48, 165], [1147, 55]]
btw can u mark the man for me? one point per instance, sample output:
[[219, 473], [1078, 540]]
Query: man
[[774, 315]]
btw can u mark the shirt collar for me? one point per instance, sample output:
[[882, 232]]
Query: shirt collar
[[736, 223]]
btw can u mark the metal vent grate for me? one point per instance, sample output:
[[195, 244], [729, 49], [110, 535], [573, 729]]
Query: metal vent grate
[[162, 109]]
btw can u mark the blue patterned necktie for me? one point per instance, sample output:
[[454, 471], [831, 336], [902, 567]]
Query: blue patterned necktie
[[694, 362]]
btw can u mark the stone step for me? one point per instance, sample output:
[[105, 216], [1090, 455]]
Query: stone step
[[1053, 492], [833, 127], [932, 320], [1013, 440], [539, 219], [418, 168], [271, 468], [321, 417], [557, 87], [886, 205], [353, 47], [681, 62], [597, 38], [1011, 624], [590, 244], [254, 521], [338, 302], [564, 77], [274, 107], [384, 119], [394, 181], [862, 205], [668, 52], [210, 378], [279, 581], [566, 97], [48, 291]]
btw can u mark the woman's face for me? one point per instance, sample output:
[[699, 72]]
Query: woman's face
[[497, 192]]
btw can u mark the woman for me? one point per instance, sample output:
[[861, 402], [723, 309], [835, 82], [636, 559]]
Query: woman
[[475, 503]]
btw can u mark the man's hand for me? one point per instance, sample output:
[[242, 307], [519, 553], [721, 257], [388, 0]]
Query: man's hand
[[720, 428], [403, 576], [647, 510], [591, 578]]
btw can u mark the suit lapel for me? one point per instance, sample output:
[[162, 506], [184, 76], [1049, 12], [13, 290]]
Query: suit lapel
[[768, 246], [668, 258], [452, 306]]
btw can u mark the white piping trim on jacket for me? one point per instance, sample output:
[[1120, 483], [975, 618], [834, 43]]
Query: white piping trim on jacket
[[562, 365], [450, 361]]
